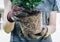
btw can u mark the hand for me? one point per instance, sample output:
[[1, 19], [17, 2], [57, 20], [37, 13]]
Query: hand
[[47, 33], [14, 13], [51, 30]]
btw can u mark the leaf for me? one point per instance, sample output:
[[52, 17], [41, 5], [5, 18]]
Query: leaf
[[27, 4]]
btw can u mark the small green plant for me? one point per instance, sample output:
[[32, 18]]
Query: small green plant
[[27, 4]]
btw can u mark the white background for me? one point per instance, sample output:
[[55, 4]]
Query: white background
[[55, 37], [1, 4]]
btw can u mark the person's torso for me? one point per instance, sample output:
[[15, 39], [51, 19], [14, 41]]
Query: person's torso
[[46, 7]]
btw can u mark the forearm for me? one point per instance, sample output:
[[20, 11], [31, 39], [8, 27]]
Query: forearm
[[52, 22], [8, 26]]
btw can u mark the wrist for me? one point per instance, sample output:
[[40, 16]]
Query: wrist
[[9, 18], [47, 33], [51, 30]]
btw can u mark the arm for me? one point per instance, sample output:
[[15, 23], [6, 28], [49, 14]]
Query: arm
[[8, 27], [52, 23]]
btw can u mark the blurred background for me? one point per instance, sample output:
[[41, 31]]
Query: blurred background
[[6, 37]]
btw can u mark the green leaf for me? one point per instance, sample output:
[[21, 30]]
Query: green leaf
[[27, 4]]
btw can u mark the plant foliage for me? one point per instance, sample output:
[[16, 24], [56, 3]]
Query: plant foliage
[[27, 4]]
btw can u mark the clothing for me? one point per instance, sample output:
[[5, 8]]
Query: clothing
[[16, 36], [45, 7]]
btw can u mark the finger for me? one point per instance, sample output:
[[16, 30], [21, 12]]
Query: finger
[[16, 8]]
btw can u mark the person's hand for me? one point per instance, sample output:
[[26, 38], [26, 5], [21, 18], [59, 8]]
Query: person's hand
[[48, 32], [51, 29], [14, 13]]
